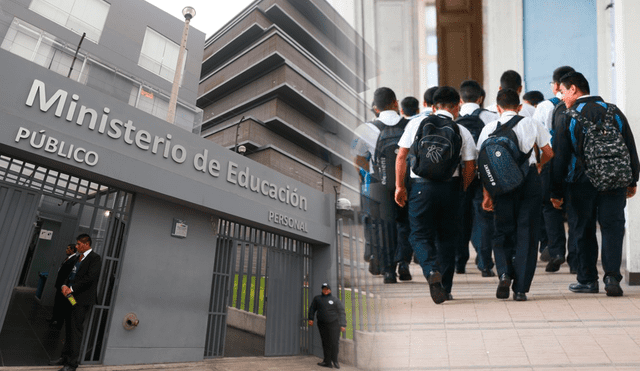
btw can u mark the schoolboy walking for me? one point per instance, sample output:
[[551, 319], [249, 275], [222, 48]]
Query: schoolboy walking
[[516, 208], [438, 147], [598, 181]]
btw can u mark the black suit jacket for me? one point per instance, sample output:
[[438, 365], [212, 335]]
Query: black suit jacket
[[64, 271], [85, 284]]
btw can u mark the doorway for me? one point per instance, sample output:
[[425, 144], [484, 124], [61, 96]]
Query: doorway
[[61, 207]]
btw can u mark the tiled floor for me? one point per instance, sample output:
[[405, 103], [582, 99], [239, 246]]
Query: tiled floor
[[554, 329]]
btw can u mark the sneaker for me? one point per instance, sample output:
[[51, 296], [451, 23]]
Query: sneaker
[[403, 272], [612, 286]]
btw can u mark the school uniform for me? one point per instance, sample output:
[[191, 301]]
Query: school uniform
[[398, 248], [434, 209], [589, 204], [517, 213], [477, 223], [550, 116]]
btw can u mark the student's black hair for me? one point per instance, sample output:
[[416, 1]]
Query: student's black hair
[[384, 98], [84, 238], [428, 95], [508, 99], [470, 91], [577, 79], [446, 96], [72, 246], [533, 97], [510, 80], [561, 71], [373, 109], [410, 106]]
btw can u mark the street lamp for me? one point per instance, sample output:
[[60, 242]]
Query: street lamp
[[188, 13]]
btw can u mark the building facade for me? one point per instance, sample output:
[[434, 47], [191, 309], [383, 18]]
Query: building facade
[[170, 213]]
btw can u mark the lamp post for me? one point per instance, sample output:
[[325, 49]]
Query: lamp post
[[188, 13]]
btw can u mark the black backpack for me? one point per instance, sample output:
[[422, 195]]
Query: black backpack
[[501, 164], [473, 123], [435, 152], [384, 158]]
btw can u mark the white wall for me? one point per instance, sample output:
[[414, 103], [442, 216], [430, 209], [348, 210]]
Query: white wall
[[627, 93]]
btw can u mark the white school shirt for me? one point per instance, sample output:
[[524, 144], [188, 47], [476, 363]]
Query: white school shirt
[[527, 110], [528, 131], [467, 152], [364, 144], [486, 116]]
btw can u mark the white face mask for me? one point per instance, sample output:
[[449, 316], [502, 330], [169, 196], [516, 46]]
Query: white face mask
[[559, 95]]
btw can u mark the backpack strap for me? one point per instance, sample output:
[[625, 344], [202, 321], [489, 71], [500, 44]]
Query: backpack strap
[[509, 125], [555, 101], [477, 111]]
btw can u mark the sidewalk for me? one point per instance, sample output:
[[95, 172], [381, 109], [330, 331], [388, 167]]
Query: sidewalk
[[554, 330]]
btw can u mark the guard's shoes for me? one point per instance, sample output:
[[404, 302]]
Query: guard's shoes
[[403, 272], [585, 288], [504, 287], [438, 294], [612, 286], [545, 256], [519, 296], [488, 273], [336, 365], [390, 278], [325, 364], [57, 362], [554, 264]]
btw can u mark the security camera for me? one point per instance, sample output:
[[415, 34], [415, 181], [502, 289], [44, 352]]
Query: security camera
[[242, 149]]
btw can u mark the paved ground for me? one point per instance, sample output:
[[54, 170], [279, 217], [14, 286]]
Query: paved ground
[[554, 330]]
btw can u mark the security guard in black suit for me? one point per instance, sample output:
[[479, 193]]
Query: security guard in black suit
[[331, 320]]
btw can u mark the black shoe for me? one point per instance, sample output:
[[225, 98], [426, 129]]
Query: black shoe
[[519, 296], [503, 287], [438, 295], [612, 286], [403, 272], [336, 365], [449, 297], [390, 278], [374, 267], [585, 288], [554, 264], [325, 364], [57, 362], [461, 270], [545, 256], [488, 273]]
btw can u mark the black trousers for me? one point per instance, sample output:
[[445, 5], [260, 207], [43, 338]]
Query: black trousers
[[60, 307], [330, 335], [74, 328], [517, 223]]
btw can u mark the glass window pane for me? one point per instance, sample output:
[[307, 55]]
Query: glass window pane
[[77, 15], [159, 55]]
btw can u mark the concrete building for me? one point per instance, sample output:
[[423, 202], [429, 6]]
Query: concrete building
[[171, 214], [282, 81]]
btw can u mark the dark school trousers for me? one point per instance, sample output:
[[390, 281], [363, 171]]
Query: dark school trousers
[[554, 223], [435, 225], [517, 224], [607, 208], [468, 220], [330, 335]]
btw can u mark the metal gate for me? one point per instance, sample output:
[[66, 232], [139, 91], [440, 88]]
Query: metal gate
[[17, 215], [265, 274], [102, 211]]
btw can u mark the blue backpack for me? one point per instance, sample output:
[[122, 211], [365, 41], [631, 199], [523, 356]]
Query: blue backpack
[[501, 164]]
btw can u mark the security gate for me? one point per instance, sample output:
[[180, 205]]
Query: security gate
[[17, 214], [265, 274], [100, 210]]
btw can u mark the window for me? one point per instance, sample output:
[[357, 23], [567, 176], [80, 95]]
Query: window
[[77, 15], [160, 55], [35, 45]]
